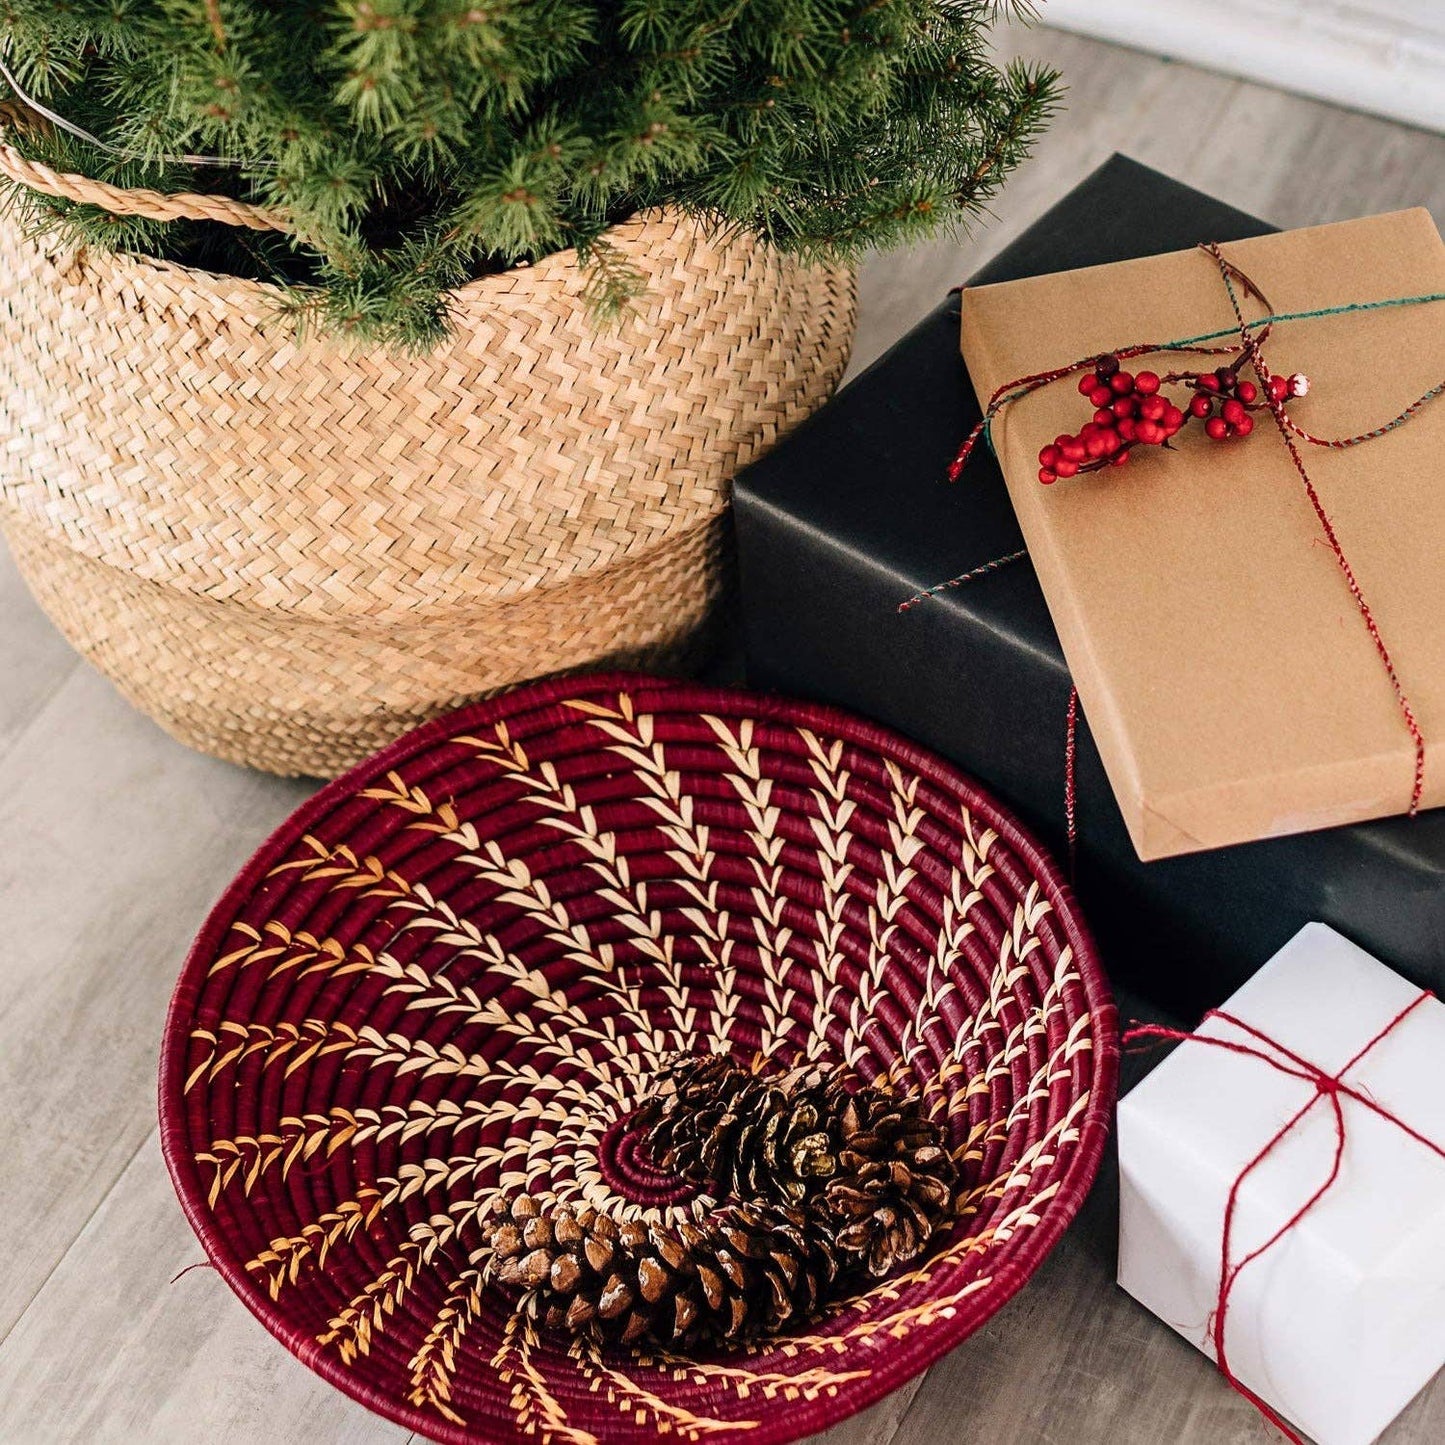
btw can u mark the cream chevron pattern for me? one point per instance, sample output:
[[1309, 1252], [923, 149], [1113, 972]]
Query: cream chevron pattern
[[457, 971]]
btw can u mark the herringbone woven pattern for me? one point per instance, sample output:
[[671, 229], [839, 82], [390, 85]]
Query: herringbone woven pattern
[[289, 553], [456, 971]]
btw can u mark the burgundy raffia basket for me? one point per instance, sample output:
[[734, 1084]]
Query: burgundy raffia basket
[[457, 967]]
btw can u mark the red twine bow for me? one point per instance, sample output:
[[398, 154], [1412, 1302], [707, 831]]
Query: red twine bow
[[1330, 1087]]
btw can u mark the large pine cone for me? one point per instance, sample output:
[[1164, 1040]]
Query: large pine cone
[[744, 1135], [875, 1163], [823, 1178], [893, 1184], [751, 1268]]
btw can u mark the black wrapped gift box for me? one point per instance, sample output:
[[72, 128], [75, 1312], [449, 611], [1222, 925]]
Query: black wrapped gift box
[[852, 514]]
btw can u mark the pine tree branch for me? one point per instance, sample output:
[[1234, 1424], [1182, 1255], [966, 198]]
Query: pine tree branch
[[419, 142], [1024, 121]]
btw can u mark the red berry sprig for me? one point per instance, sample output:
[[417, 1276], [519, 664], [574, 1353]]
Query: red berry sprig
[[1130, 411]]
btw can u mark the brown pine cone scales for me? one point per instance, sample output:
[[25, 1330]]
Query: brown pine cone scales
[[750, 1268], [871, 1168], [744, 1135], [825, 1179], [893, 1184]]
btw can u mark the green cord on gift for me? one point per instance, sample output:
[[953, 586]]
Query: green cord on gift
[[1013, 390]]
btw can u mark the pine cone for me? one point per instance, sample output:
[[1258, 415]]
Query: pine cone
[[877, 1164], [747, 1269], [745, 1136], [822, 1176], [893, 1187]]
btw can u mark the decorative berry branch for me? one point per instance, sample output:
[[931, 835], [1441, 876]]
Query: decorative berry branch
[[1131, 410]]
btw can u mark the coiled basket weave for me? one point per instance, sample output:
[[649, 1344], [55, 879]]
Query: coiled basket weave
[[288, 554], [456, 969]]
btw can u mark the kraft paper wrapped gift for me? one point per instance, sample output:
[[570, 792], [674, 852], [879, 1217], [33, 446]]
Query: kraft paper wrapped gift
[[1232, 687], [1342, 1321], [851, 513]]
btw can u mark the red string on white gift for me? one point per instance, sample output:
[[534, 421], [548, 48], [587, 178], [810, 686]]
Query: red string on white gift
[[1327, 1086]]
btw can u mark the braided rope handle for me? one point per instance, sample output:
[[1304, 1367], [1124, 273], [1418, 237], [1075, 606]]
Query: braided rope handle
[[119, 201]]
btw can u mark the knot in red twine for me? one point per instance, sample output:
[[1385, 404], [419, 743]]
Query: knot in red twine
[[1329, 1087]]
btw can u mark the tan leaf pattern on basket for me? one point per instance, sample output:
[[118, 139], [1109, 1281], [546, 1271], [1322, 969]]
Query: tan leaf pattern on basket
[[435, 1362], [502, 960], [632, 1397], [351, 1330]]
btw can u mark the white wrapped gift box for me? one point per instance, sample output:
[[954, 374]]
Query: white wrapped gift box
[[1342, 1321]]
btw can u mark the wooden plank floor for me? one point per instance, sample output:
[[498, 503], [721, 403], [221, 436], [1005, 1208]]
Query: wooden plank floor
[[114, 840]]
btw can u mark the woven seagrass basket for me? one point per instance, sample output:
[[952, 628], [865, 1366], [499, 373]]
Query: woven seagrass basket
[[288, 554], [456, 969]]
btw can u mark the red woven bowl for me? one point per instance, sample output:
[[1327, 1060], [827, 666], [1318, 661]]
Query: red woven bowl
[[458, 966]]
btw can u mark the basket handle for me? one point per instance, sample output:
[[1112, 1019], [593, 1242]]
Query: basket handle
[[120, 201]]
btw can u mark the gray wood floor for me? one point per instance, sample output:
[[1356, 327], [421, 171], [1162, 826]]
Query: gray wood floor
[[114, 840]]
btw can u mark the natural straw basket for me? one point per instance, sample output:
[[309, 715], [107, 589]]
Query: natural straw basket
[[459, 965], [289, 553]]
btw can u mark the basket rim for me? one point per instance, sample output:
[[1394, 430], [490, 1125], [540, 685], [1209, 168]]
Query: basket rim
[[46, 181], [890, 1371], [502, 285]]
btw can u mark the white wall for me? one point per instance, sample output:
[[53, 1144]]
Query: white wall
[[1385, 56]]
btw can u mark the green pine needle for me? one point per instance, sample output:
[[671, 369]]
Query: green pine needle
[[420, 143]]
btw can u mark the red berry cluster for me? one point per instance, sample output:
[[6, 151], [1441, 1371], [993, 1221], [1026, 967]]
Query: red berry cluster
[[1130, 411], [1233, 398]]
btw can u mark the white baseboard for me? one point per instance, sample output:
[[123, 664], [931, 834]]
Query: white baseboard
[[1382, 56]]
